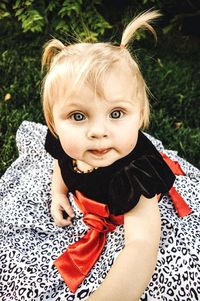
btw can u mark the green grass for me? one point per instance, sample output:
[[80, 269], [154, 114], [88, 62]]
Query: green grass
[[172, 73]]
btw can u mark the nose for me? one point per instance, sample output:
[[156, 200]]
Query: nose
[[97, 131]]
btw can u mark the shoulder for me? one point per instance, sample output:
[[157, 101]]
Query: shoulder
[[144, 146]]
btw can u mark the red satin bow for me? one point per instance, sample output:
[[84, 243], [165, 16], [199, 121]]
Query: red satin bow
[[78, 259], [179, 203]]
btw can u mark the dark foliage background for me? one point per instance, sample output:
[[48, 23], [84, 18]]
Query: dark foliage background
[[171, 67]]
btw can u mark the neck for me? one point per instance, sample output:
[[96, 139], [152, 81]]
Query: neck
[[82, 167]]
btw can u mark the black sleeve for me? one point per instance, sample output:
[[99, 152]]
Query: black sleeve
[[147, 175], [53, 146]]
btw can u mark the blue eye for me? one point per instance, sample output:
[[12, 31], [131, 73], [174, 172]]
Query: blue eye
[[116, 114], [78, 116]]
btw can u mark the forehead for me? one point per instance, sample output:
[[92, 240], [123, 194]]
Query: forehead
[[116, 83], [119, 82]]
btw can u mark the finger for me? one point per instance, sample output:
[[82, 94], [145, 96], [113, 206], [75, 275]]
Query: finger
[[63, 222], [66, 206], [59, 220]]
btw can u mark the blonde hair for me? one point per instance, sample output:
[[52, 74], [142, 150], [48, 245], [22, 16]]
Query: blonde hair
[[89, 62]]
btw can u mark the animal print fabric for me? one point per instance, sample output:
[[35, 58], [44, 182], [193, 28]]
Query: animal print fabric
[[30, 241]]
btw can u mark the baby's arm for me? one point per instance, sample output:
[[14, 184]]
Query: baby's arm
[[132, 270], [60, 203]]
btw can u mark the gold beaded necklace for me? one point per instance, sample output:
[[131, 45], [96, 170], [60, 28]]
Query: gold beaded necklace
[[76, 169]]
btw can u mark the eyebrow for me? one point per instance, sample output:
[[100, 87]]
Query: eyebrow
[[79, 104], [72, 105], [119, 97], [120, 101], [110, 101]]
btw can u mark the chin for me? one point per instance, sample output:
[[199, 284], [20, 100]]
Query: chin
[[106, 164]]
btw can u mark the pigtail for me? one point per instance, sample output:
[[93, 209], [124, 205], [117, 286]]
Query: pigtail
[[51, 49], [141, 21]]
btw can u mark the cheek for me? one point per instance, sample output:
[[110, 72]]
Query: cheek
[[70, 145], [127, 133], [131, 141], [71, 150], [71, 140], [128, 140]]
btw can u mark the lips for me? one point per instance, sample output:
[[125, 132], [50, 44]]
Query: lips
[[100, 152]]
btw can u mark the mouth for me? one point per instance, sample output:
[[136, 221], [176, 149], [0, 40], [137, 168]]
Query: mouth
[[100, 152]]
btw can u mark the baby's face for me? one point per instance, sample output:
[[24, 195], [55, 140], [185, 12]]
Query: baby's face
[[97, 131]]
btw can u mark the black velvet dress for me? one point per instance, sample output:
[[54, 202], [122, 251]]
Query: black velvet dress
[[120, 185]]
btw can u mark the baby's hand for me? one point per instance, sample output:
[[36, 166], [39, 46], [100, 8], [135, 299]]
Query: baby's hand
[[60, 207]]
